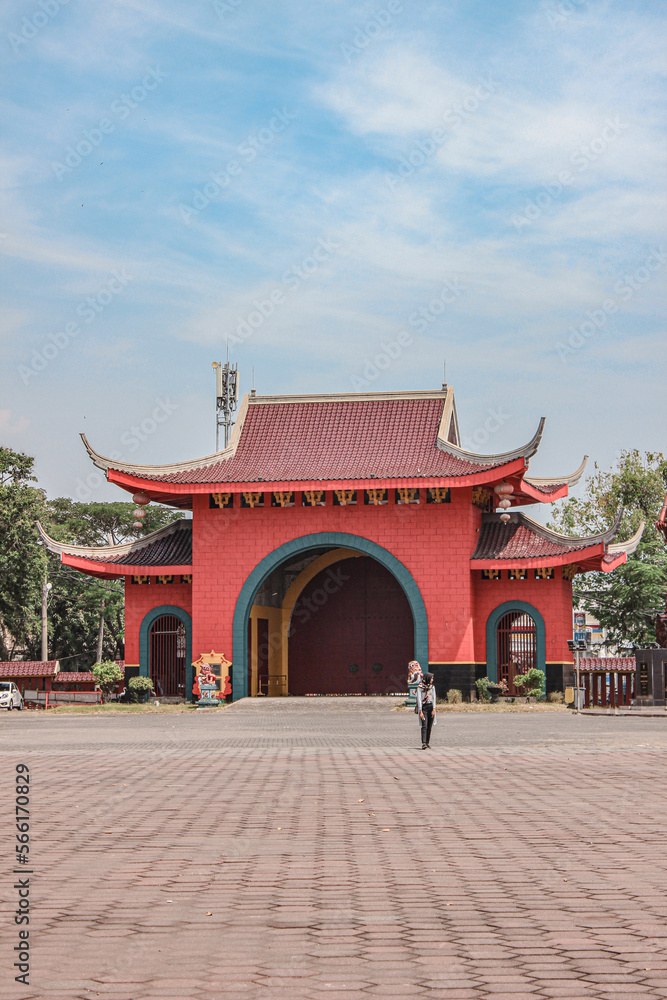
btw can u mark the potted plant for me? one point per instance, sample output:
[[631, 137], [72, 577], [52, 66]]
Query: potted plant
[[490, 690], [140, 688], [496, 688]]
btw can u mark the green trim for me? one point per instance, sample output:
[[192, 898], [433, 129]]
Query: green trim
[[492, 638], [144, 633], [335, 539]]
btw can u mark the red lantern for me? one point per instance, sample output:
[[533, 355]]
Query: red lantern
[[504, 490], [141, 499]]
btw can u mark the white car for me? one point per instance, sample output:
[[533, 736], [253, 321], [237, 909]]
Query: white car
[[10, 696]]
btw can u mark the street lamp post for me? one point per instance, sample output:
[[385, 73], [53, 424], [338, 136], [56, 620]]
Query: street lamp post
[[576, 646]]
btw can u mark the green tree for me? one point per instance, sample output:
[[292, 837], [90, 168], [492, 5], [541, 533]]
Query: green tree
[[103, 523], [76, 602], [22, 563], [107, 674], [626, 601]]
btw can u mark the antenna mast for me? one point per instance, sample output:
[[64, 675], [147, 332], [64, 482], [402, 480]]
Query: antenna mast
[[226, 397]]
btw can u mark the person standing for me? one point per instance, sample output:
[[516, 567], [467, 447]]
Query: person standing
[[426, 708]]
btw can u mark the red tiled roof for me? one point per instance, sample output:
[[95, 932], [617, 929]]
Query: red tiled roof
[[28, 668], [523, 538], [348, 439], [167, 546], [173, 549], [329, 439], [607, 663]]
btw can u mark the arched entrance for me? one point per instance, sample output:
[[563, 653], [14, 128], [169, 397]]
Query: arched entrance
[[167, 656], [351, 632], [165, 651], [515, 639], [516, 645], [298, 553]]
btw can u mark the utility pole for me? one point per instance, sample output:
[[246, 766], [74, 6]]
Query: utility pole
[[226, 397], [46, 587], [100, 634]]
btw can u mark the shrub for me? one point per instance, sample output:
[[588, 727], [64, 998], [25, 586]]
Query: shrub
[[140, 685], [107, 674], [556, 697], [531, 683], [482, 685], [454, 696]]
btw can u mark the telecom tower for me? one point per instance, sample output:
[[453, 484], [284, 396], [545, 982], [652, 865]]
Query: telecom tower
[[226, 397]]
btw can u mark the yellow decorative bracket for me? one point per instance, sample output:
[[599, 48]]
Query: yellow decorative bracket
[[438, 494], [283, 497], [253, 499], [406, 494], [222, 499], [345, 497]]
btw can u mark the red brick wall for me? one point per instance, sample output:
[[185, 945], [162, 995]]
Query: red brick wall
[[433, 541], [140, 598], [552, 598]]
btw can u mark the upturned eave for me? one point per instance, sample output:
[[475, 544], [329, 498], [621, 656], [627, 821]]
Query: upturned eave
[[157, 489], [112, 571]]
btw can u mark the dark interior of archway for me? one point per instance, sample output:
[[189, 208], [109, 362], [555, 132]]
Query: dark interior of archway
[[351, 632], [167, 656]]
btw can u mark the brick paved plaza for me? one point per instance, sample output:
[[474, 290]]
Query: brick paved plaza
[[308, 849]]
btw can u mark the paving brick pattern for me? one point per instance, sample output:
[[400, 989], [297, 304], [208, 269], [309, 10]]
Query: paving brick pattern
[[307, 849]]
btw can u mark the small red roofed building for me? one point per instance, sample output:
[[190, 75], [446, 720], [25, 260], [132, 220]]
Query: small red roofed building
[[30, 675], [74, 680], [338, 537]]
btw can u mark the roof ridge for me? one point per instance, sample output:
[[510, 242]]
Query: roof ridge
[[350, 397], [572, 479], [630, 544], [525, 451], [140, 470], [554, 536], [121, 549]]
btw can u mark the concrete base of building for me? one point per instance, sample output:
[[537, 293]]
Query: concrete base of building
[[559, 676], [456, 676]]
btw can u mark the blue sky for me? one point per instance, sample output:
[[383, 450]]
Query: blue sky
[[331, 185]]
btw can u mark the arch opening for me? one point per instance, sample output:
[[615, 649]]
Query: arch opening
[[516, 647], [514, 632], [165, 651], [304, 601], [167, 656]]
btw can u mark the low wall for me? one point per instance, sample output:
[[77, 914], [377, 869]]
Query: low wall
[[63, 697]]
